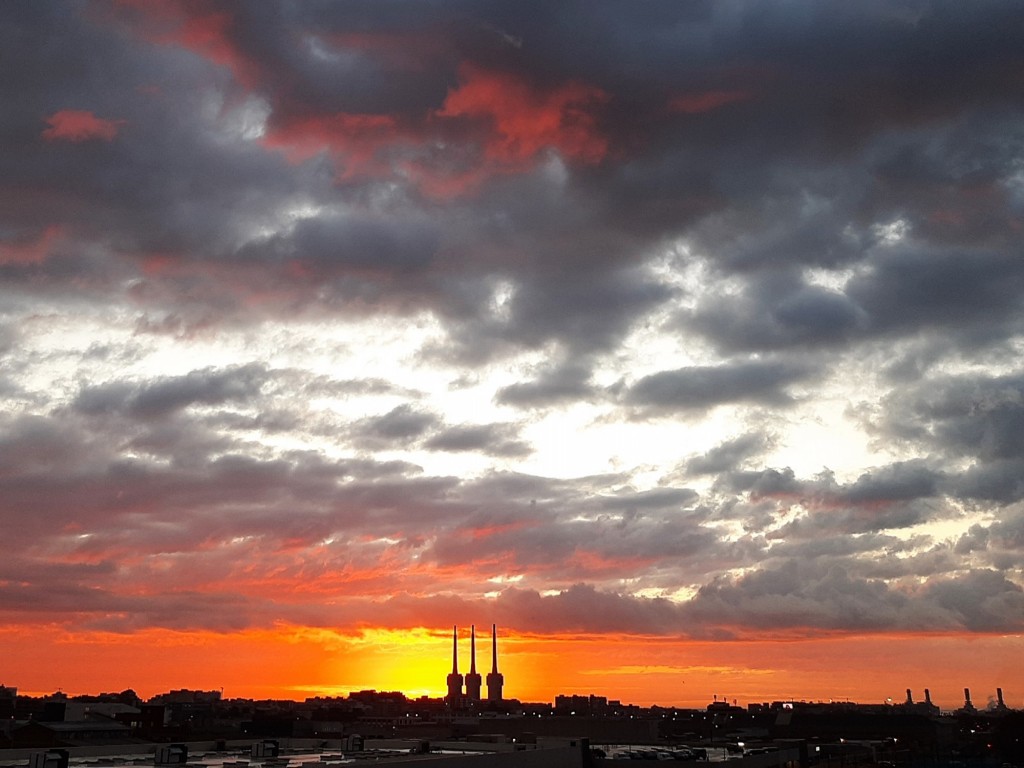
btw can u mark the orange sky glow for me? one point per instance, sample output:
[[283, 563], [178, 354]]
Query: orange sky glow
[[296, 662]]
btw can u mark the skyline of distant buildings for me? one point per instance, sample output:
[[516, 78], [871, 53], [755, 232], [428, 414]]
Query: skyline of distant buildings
[[458, 698], [464, 693]]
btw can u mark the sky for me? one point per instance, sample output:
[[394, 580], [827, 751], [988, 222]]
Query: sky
[[681, 340]]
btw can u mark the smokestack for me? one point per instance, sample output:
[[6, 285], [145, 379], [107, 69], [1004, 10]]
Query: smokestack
[[495, 680], [910, 698], [927, 696], [455, 679], [455, 650], [472, 648], [1000, 704], [968, 705], [473, 679]]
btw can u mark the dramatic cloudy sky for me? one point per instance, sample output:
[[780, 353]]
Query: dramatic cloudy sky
[[681, 339]]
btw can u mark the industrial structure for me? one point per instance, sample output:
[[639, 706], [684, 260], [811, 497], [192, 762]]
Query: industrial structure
[[473, 679], [456, 697]]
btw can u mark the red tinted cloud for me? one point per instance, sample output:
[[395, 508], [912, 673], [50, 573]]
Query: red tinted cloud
[[695, 103], [34, 252], [512, 124], [79, 125], [355, 139], [197, 27], [521, 122]]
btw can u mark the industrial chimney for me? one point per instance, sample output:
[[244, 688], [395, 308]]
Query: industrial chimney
[[455, 679], [473, 679], [495, 680], [968, 706]]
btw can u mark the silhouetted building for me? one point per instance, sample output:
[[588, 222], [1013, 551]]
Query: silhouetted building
[[1000, 704], [968, 707], [575, 705], [473, 679], [455, 679], [925, 707], [495, 680], [8, 699]]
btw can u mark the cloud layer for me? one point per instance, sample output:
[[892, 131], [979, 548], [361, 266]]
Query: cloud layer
[[693, 320]]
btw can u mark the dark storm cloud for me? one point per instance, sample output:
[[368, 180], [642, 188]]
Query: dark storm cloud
[[699, 387]]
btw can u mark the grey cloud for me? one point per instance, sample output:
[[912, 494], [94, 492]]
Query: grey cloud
[[767, 146], [36, 446], [939, 289], [405, 425], [401, 424], [972, 417], [999, 542], [794, 226], [800, 595], [589, 307], [819, 595], [493, 439], [981, 600], [897, 482], [784, 547], [729, 454], [776, 312], [698, 387], [561, 384], [657, 498], [583, 608], [335, 244], [168, 395]]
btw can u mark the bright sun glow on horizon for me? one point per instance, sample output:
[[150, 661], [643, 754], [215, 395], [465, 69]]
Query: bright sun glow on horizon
[[297, 663]]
